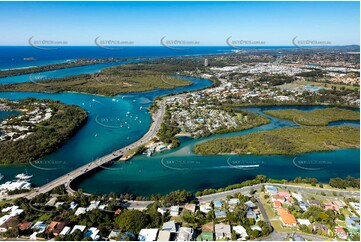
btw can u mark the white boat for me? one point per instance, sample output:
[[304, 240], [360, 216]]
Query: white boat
[[23, 176], [14, 185]]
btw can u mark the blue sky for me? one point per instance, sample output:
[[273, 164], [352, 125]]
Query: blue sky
[[209, 23]]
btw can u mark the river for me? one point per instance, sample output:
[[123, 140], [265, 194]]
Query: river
[[117, 121]]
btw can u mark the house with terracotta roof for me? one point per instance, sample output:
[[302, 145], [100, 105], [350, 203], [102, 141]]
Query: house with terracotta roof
[[55, 227], [286, 217], [278, 198], [277, 204], [284, 194], [25, 226], [340, 232]]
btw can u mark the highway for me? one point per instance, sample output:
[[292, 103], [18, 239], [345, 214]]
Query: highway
[[101, 162]]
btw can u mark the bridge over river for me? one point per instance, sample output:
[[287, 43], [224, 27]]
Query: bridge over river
[[104, 161]]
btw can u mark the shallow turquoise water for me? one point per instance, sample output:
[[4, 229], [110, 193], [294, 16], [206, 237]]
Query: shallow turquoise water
[[181, 169], [108, 128], [46, 75]]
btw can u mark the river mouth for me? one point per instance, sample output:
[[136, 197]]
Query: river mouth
[[113, 123], [181, 169], [172, 169], [110, 128]]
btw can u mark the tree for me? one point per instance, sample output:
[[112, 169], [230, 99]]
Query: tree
[[132, 220], [234, 235]]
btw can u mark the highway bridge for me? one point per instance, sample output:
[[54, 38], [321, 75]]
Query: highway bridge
[[104, 161]]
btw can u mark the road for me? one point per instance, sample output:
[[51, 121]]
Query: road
[[222, 195], [101, 162]]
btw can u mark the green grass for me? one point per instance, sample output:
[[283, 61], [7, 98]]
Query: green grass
[[111, 81], [320, 117], [300, 83], [285, 141]]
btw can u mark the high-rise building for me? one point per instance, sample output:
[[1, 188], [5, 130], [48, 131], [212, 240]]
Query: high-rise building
[[206, 62]]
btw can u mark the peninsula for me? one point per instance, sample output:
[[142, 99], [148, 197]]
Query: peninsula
[[41, 127], [285, 141]]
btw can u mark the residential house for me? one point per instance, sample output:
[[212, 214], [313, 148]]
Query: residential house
[[80, 210], [8, 224], [174, 211], [233, 201], [92, 233], [55, 227], [331, 206], [217, 204], [252, 214], [303, 222], [170, 226], [256, 227], [222, 231], [148, 235], [220, 213], [185, 234], [190, 207], [304, 206], [39, 227], [164, 235], [314, 203], [250, 204], [113, 235], [239, 229], [272, 190], [353, 224], [205, 207], [65, 231], [80, 227], [93, 205], [297, 196], [162, 210], [59, 204], [286, 217], [73, 205], [278, 198], [340, 232], [277, 204], [25, 226], [284, 194]]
